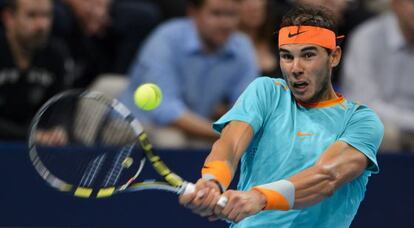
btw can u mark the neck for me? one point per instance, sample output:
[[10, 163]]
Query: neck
[[327, 93], [22, 57]]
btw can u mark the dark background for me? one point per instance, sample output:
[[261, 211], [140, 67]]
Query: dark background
[[25, 199]]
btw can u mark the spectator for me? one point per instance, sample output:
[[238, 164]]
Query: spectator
[[103, 35], [32, 65], [257, 20], [378, 70], [198, 62]]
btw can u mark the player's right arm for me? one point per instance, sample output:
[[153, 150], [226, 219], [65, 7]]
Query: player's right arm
[[226, 152]]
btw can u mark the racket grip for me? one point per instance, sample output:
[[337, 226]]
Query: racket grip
[[188, 188]]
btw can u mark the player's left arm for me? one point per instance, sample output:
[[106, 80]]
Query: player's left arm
[[339, 164]]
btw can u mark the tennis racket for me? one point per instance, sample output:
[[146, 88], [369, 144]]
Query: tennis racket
[[90, 146]]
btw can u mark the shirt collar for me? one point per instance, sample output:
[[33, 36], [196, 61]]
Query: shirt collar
[[194, 45], [395, 37]]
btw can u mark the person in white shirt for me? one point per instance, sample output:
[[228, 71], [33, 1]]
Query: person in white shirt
[[378, 71]]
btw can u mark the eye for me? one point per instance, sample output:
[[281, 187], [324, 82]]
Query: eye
[[308, 55], [286, 56]]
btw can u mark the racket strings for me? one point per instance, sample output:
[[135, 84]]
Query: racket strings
[[87, 142], [92, 170], [119, 164]]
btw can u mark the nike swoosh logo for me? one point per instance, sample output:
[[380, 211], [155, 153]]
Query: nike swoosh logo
[[290, 35], [301, 134]]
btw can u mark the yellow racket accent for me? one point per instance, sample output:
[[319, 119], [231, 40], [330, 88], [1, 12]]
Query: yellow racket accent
[[174, 180], [65, 187], [143, 138], [159, 165], [105, 192], [83, 192], [127, 162]]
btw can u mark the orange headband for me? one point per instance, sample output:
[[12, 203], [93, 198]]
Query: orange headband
[[307, 35]]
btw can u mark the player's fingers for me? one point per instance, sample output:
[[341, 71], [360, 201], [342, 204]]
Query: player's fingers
[[218, 208], [240, 217], [213, 218], [207, 205], [233, 214], [189, 200], [185, 199]]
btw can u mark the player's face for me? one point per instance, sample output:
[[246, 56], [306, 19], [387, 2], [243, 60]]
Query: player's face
[[307, 70], [216, 20], [31, 22]]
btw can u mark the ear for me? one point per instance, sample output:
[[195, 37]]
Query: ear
[[335, 57], [6, 17]]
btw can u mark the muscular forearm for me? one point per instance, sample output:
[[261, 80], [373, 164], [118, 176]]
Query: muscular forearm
[[226, 152], [313, 185], [195, 126], [340, 164], [229, 148]]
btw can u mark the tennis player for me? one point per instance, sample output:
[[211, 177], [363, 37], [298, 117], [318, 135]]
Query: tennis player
[[306, 152]]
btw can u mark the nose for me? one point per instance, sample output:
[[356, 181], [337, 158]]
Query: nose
[[43, 22], [297, 68]]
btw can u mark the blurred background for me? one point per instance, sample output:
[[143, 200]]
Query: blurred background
[[202, 53]]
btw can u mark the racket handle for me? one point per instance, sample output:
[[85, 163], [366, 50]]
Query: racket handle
[[188, 188]]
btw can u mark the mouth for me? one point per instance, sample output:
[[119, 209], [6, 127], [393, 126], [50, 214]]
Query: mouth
[[300, 86]]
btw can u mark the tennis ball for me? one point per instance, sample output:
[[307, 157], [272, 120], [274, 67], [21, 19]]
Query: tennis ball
[[148, 96]]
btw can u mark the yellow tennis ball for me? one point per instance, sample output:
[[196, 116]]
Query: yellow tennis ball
[[148, 96]]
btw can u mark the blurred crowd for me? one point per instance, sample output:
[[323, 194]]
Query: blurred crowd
[[202, 53]]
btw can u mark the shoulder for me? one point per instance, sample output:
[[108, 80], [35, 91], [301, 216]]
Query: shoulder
[[270, 86], [362, 114], [174, 27]]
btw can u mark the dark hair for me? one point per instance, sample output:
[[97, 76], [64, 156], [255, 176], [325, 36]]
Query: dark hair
[[199, 3], [10, 5], [311, 16], [195, 3]]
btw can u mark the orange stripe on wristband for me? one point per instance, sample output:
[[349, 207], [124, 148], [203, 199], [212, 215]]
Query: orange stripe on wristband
[[274, 200], [221, 171]]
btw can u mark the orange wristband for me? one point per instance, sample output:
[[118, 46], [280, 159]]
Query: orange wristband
[[274, 200], [218, 170]]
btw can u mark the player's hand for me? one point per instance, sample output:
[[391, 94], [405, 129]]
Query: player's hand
[[240, 205], [204, 198]]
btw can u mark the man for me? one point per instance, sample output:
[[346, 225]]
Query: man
[[378, 70], [103, 35], [198, 62], [306, 152], [32, 66]]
